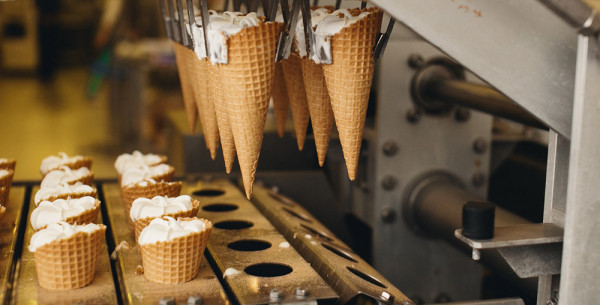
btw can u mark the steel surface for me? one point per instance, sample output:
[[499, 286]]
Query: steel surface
[[9, 227], [519, 235]]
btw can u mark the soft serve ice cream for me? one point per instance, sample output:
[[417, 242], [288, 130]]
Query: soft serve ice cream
[[317, 15], [136, 159], [4, 173], [58, 231], [136, 174], [60, 210], [61, 189], [167, 228], [54, 162], [159, 206], [64, 175]]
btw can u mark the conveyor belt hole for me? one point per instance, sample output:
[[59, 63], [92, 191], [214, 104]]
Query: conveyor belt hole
[[281, 199], [268, 270], [249, 245], [297, 215], [220, 207], [339, 252], [317, 233], [233, 224], [208, 193], [366, 277]]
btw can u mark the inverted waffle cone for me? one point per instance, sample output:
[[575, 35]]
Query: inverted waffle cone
[[6, 183], [292, 73], [216, 95], [140, 224], [69, 263], [319, 106], [206, 108], [88, 216], [349, 80], [248, 78], [8, 164], [280, 99], [175, 261], [83, 162], [93, 193], [133, 192], [182, 62]]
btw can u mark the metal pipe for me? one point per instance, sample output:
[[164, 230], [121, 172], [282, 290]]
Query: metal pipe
[[479, 97]]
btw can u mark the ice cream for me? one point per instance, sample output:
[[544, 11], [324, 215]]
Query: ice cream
[[3, 173], [64, 175], [158, 206], [317, 15], [167, 228], [137, 174], [55, 162], [62, 189], [60, 210], [221, 27], [58, 231], [137, 159]]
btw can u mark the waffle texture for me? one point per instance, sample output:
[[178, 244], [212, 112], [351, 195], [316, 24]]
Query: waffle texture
[[216, 95], [206, 109], [69, 263], [6, 183], [292, 73], [175, 261], [182, 60], [133, 192], [3, 196], [83, 162], [93, 193], [349, 80], [8, 164], [280, 99], [319, 106], [88, 216], [140, 224], [248, 78]]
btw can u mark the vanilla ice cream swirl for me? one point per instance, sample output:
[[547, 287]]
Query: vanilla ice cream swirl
[[62, 188], [54, 162], [135, 159], [60, 210], [64, 175], [168, 229], [58, 231], [159, 206]]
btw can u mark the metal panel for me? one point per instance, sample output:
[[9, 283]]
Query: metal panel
[[9, 228], [135, 289], [519, 235], [511, 301], [504, 43], [345, 271], [268, 270], [579, 280], [27, 291]]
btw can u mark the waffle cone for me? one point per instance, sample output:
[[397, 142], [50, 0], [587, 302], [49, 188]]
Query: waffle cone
[[349, 80], [280, 100], [3, 196], [133, 192], [2, 212], [140, 224], [292, 73], [216, 95], [6, 183], [69, 263], [87, 179], [182, 60], [205, 105], [175, 261], [319, 106], [84, 162], [8, 164], [248, 77], [88, 216], [93, 193]]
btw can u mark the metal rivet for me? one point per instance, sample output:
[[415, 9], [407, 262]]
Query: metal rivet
[[388, 215], [462, 114], [167, 301], [480, 145], [415, 61], [194, 300], [390, 148], [276, 295], [413, 115], [478, 178], [301, 292], [389, 183]]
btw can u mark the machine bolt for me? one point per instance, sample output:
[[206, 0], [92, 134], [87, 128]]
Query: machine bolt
[[276, 295], [462, 114], [388, 215], [194, 300], [478, 178], [301, 292], [413, 115], [389, 183], [167, 301], [480, 145], [390, 148], [415, 61]]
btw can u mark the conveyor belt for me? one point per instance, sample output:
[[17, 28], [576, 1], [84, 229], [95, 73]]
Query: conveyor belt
[[9, 229]]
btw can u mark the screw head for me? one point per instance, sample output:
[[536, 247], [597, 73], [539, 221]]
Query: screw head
[[413, 115], [415, 61], [194, 300], [388, 215], [478, 178], [389, 183], [390, 148], [301, 292], [462, 114], [275, 294], [167, 301], [480, 145]]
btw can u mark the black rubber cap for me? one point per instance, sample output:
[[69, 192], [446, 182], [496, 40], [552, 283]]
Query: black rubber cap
[[478, 219]]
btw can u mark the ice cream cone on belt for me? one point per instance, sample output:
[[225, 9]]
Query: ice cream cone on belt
[[206, 109], [182, 61], [248, 78], [280, 100], [349, 80], [216, 95], [292, 73], [319, 105]]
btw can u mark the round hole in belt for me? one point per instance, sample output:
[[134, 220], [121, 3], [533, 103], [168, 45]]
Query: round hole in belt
[[282, 199], [297, 215], [220, 207], [208, 193], [366, 277], [233, 224], [268, 270], [340, 253], [249, 245], [316, 233]]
